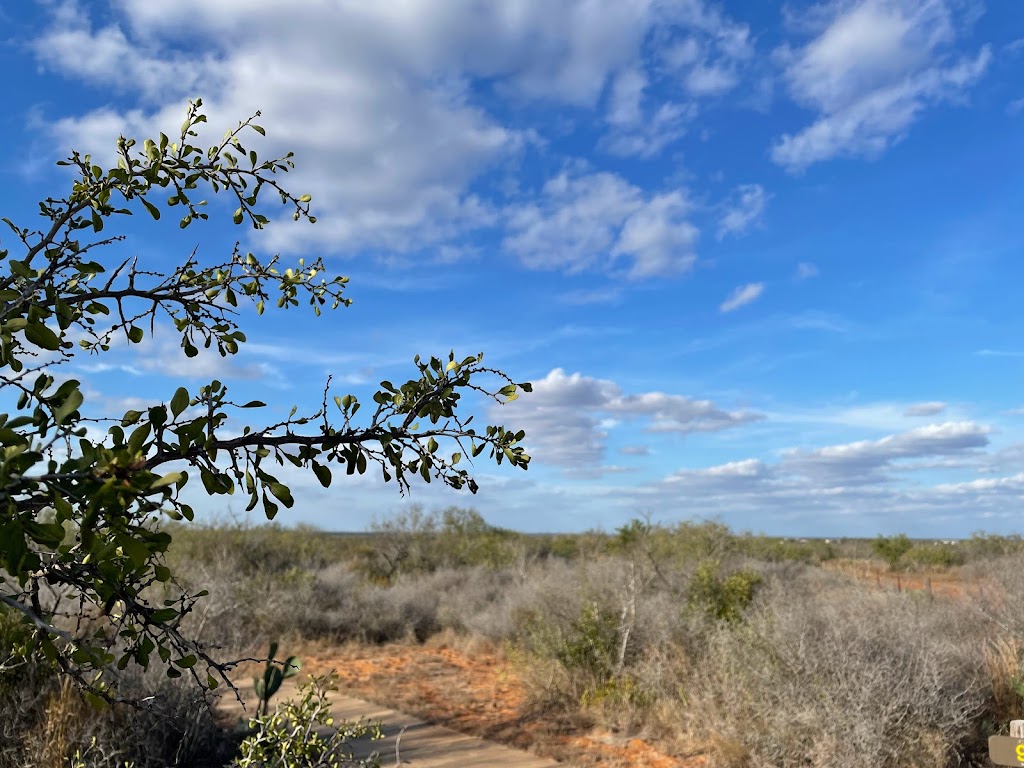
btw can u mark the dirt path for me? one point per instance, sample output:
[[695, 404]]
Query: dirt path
[[476, 691], [407, 740]]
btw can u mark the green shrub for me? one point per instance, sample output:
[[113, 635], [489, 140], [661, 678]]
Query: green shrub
[[722, 598], [303, 734], [891, 548], [933, 556]]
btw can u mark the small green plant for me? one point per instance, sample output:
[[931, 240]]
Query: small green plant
[[617, 692], [273, 676], [303, 734], [722, 598], [590, 644]]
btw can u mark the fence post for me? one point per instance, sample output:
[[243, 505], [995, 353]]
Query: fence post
[[1017, 729]]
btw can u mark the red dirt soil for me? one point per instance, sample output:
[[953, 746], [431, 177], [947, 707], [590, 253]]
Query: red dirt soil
[[476, 691]]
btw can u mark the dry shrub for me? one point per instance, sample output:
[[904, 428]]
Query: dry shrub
[[51, 725], [1002, 656], [839, 675]]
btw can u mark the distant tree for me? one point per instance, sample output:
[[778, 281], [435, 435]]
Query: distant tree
[[81, 497], [892, 548]]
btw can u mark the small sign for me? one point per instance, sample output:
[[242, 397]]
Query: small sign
[[1006, 750]]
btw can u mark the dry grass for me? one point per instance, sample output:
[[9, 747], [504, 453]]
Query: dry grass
[[787, 664]]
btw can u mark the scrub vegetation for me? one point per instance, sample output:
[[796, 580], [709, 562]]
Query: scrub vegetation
[[747, 649]]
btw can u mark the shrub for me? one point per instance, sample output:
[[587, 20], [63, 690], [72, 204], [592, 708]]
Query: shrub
[[934, 555], [722, 598], [891, 548], [824, 672], [302, 734]]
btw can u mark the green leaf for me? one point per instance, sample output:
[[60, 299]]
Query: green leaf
[[130, 417], [292, 666], [153, 210], [255, 404], [47, 534], [323, 474], [282, 493], [71, 404], [37, 333], [136, 551], [179, 402], [138, 437], [269, 508], [171, 478], [135, 334]]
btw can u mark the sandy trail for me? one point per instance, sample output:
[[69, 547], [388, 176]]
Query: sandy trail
[[407, 739]]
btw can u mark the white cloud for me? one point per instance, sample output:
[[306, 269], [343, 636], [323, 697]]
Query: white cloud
[[869, 460], [647, 137], [635, 450], [986, 485], [597, 220], [734, 477], [741, 296], [376, 99], [806, 270], [107, 57], [744, 211], [874, 66], [932, 408], [705, 80], [694, 54], [567, 417]]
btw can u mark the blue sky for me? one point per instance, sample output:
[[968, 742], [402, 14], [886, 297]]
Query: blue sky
[[760, 261]]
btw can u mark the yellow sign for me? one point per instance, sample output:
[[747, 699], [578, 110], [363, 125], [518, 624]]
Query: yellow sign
[[1006, 750]]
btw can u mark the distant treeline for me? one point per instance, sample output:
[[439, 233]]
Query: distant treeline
[[417, 541]]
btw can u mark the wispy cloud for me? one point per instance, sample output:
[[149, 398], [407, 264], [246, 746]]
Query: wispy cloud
[[806, 270], [593, 296], [999, 353], [932, 408], [742, 296], [873, 67], [744, 210]]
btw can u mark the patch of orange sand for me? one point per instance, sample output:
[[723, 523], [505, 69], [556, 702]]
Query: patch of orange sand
[[477, 692]]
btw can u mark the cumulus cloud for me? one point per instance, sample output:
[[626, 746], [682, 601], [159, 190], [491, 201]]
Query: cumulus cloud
[[871, 69], [931, 408], [567, 417], [744, 211], [379, 101], [741, 296], [869, 460], [596, 220]]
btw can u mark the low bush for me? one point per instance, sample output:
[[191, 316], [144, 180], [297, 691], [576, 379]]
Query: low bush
[[934, 555]]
